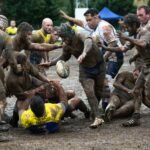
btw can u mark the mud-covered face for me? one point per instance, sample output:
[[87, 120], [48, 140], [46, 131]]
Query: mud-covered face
[[25, 36], [21, 69], [28, 35], [91, 21], [66, 33], [136, 73]]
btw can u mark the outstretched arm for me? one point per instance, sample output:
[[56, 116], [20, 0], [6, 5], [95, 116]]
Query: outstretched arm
[[43, 47], [137, 42], [64, 56], [60, 91], [74, 20], [115, 49]]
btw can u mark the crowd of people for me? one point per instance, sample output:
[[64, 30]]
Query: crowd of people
[[42, 103]]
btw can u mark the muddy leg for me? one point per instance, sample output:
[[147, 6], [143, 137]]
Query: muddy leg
[[111, 107], [88, 86], [135, 120], [125, 110], [70, 94], [77, 103]]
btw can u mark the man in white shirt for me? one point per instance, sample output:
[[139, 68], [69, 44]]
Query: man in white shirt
[[103, 32]]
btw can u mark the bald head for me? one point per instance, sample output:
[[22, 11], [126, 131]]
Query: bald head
[[47, 25]]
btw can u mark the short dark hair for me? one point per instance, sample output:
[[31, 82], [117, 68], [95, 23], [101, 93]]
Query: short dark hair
[[37, 106], [91, 11], [24, 27], [146, 8], [132, 19]]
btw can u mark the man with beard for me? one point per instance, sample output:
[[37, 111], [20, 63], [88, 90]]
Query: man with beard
[[142, 44], [91, 66]]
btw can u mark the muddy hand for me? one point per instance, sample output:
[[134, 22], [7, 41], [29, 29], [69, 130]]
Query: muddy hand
[[81, 57], [45, 64], [131, 92]]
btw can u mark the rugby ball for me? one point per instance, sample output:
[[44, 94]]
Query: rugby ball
[[62, 69]]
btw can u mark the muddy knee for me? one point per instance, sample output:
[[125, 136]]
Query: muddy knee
[[70, 94]]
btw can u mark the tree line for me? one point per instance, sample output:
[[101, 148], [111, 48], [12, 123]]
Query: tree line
[[33, 11]]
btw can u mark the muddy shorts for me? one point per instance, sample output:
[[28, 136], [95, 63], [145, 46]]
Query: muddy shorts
[[91, 72]]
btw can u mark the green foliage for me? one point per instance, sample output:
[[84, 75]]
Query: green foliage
[[118, 6], [32, 11]]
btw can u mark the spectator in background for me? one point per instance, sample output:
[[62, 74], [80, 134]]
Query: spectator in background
[[43, 35], [12, 29]]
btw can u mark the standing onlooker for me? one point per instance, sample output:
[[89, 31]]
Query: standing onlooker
[[42, 36], [12, 29]]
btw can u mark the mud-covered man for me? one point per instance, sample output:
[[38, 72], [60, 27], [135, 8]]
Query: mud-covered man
[[91, 66], [26, 77], [6, 57], [121, 103]]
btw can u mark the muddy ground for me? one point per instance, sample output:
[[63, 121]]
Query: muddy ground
[[75, 133]]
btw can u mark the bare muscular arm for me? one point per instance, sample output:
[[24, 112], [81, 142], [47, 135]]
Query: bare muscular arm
[[74, 20], [138, 42], [60, 91], [88, 43], [42, 47], [118, 83], [64, 56], [34, 72]]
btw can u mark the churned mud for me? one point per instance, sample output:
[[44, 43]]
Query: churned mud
[[75, 133]]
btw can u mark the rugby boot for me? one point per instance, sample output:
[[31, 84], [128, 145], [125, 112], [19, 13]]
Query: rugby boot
[[97, 122], [134, 121]]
